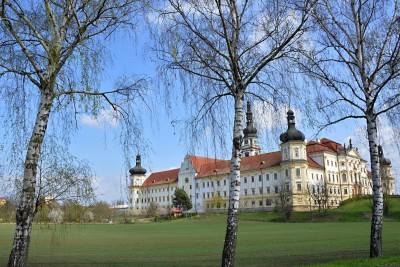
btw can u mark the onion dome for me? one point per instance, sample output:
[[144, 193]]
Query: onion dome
[[250, 130], [383, 161], [138, 169], [292, 134]]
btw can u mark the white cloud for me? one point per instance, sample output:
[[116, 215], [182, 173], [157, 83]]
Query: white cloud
[[105, 118]]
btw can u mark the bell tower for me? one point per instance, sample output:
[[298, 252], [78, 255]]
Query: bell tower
[[137, 178], [250, 146]]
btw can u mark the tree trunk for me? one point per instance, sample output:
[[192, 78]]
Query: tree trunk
[[228, 255], [377, 214], [27, 208]]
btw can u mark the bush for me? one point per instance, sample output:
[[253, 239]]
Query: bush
[[56, 216]]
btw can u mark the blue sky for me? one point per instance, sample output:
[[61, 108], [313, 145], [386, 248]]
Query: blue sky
[[96, 141]]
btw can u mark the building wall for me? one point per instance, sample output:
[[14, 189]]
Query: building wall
[[342, 175]]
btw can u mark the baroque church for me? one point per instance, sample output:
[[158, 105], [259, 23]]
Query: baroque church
[[304, 174]]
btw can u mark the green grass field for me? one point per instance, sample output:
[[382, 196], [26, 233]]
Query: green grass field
[[199, 241]]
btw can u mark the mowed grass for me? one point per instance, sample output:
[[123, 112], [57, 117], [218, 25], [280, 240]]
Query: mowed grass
[[198, 242]]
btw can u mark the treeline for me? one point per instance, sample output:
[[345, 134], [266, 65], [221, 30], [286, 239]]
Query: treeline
[[67, 212]]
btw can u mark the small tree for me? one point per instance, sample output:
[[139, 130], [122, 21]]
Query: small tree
[[152, 209], [101, 211], [319, 194], [56, 216], [181, 200], [286, 206]]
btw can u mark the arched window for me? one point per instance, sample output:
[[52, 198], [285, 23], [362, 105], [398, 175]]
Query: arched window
[[186, 180], [344, 178]]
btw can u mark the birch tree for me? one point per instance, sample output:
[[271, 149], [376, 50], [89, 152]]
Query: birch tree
[[354, 61], [49, 55], [223, 49]]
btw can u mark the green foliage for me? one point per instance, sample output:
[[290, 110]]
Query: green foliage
[[181, 200], [7, 211], [101, 211]]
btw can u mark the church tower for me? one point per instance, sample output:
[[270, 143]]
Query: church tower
[[137, 178], [386, 173], [250, 146], [294, 162]]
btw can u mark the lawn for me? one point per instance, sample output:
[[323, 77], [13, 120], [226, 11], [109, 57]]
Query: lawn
[[198, 242]]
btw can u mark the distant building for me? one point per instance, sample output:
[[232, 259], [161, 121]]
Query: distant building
[[305, 171]]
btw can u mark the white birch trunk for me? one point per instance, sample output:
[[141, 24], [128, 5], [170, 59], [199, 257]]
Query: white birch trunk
[[27, 209], [228, 256], [377, 214]]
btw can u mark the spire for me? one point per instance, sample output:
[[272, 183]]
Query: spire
[[292, 134], [250, 130], [138, 169], [250, 146]]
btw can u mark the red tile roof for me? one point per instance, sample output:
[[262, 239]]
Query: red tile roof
[[198, 161], [163, 177], [324, 144], [248, 163], [312, 163]]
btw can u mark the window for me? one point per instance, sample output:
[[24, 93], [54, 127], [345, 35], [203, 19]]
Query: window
[[208, 195], [224, 193], [287, 186], [296, 152], [204, 195], [329, 175], [268, 190], [298, 186], [217, 183], [298, 171], [224, 182], [252, 179], [286, 172], [245, 180], [267, 176], [327, 162], [268, 202], [259, 178], [245, 192], [275, 176], [276, 189], [253, 191], [253, 204], [190, 186], [204, 185], [212, 183], [260, 203], [208, 184], [260, 190], [344, 178], [186, 180]]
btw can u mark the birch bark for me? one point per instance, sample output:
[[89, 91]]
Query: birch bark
[[27, 207], [376, 248], [228, 258]]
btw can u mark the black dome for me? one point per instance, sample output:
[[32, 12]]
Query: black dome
[[250, 130], [292, 134], [138, 169]]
